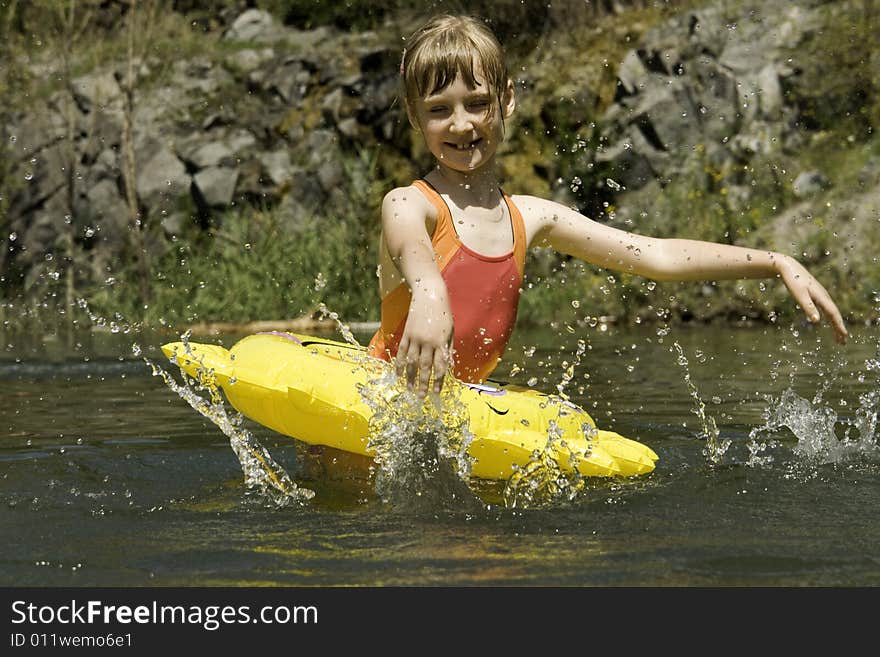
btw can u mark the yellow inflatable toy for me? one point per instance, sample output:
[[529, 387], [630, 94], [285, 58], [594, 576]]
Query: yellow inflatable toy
[[307, 387]]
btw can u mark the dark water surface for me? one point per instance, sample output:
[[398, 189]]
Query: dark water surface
[[108, 478]]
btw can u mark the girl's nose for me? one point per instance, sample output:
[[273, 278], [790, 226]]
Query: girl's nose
[[461, 121]]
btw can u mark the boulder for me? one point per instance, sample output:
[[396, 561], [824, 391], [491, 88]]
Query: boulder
[[215, 186], [253, 25], [162, 178]]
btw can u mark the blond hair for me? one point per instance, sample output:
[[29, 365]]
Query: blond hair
[[449, 46]]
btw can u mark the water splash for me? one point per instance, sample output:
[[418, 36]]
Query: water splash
[[262, 473], [344, 329], [715, 448], [420, 445], [568, 374], [823, 436], [541, 483]]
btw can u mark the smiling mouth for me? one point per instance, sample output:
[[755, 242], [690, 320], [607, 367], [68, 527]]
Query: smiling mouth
[[464, 147]]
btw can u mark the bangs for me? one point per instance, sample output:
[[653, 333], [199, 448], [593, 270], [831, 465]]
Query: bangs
[[440, 71], [450, 47]]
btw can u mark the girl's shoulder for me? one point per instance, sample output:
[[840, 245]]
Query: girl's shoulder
[[537, 212], [409, 202], [409, 197]]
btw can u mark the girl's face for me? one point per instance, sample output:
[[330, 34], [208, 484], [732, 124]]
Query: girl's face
[[460, 126]]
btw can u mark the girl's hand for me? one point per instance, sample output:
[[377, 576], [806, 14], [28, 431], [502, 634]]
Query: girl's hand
[[810, 295], [425, 347]]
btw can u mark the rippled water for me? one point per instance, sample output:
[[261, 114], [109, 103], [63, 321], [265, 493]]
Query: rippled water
[[107, 477]]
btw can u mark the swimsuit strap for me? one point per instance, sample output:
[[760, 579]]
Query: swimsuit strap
[[445, 238]]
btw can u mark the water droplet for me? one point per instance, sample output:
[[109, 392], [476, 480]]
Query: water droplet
[[29, 175], [575, 304]]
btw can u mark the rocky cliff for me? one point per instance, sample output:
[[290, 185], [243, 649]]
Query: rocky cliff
[[706, 124]]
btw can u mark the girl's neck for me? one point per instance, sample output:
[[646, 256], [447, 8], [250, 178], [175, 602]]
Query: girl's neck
[[480, 186]]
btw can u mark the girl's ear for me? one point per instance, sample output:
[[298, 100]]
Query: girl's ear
[[508, 102]]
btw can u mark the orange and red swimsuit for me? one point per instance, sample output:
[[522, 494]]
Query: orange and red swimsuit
[[483, 293]]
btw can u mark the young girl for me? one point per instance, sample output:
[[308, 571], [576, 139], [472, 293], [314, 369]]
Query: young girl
[[453, 245]]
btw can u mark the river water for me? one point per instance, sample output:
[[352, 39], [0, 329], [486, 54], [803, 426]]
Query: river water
[[768, 474]]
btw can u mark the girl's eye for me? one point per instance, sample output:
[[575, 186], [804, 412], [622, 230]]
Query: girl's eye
[[437, 109]]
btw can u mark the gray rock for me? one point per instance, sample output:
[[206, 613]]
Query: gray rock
[[106, 212], [705, 31], [277, 166], [320, 145], [307, 42], [240, 140], [770, 92], [97, 90], [216, 185], [744, 57], [810, 183], [349, 127], [211, 154], [631, 72], [250, 59], [757, 140], [40, 233], [738, 197], [330, 174], [290, 82], [669, 116], [163, 177], [106, 164], [253, 25], [42, 176], [173, 222], [102, 131]]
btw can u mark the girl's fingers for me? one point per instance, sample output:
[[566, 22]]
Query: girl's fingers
[[440, 361], [412, 365], [426, 359], [834, 317], [400, 360]]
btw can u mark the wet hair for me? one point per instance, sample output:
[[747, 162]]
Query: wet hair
[[446, 47]]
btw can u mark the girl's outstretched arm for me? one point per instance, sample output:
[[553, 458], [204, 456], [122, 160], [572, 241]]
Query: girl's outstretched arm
[[425, 346], [570, 232]]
